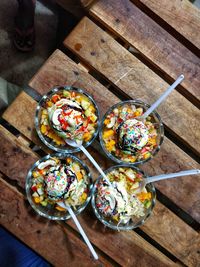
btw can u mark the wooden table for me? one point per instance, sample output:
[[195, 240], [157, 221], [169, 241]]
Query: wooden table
[[122, 50]]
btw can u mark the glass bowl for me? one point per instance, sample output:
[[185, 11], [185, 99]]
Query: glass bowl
[[45, 132], [49, 208], [134, 221], [109, 133]]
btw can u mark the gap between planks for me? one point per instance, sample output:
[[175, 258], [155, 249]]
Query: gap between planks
[[180, 19], [8, 136], [159, 47]]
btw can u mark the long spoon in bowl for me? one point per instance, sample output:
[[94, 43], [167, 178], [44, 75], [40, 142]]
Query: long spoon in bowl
[[160, 177], [87, 241], [84, 150], [161, 98]]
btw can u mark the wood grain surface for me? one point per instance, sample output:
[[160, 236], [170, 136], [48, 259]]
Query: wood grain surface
[[60, 69], [56, 244], [161, 211], [135, 79], [182, 15], [138, 246], [151, 40], [39, 80]]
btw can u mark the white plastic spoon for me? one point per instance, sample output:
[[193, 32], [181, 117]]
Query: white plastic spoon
[[162, 98], [87, 241], [82, 148], [156, 178]]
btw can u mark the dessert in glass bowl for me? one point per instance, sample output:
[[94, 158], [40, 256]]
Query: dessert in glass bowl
[[67, 113], [120, 206], [127, 139], [57, 178]]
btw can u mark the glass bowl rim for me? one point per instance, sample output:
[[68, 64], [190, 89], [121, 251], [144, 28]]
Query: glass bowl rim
[[115, 159], [58, 155], [125, 227], [37, 123]]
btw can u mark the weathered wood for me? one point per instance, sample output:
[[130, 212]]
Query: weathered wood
[[25, 114], [183, 191], [135, 79], [56, 244], [76, 7], [182, 15], [166, 220], [39, 82], [122, 241], [150, 255], [57, 73], [12, 154], [154, 43]]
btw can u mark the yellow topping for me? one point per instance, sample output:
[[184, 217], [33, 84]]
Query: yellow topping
[[60, 208], [37, 200], [79, 175], [43, 129], [108, 133], [87, 136]]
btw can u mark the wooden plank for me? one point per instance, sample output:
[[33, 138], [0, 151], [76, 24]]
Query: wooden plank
[[24, 114], [135, 79], [60, 69], [12, 154], [132, 242], [122, 241], [154, 43], [184, 192], [182, 15], [166, 220], [99, 238], [56, 244], [56, 71]]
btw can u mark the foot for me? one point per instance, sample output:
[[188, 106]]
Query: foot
[[24, 36]]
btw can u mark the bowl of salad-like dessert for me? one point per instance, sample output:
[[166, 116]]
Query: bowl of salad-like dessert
[[67, 112], [127, 139], [121, 206], [55, 178]]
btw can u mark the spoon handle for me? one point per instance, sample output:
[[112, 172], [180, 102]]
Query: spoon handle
[[162, 97], [87, 241], [171, 175], [95, 164]]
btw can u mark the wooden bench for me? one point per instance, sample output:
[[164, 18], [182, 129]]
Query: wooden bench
[[106, 67]]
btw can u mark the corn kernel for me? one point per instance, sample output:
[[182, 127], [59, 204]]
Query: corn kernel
[[35, 174], [108, 133], [60, 208], [146, 155], [132, 159], [49, 104], [79, 176], [87, 136], [84, 196], [69, 160], [107, 121], [37, 199], [43, 129], [152, 141]]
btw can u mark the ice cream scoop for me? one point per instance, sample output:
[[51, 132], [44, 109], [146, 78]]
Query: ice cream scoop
[[59, 181], [132, 135], [115, 201], [66, 118]]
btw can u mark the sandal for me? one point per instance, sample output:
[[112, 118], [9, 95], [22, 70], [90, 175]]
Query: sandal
[[24, 40]]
